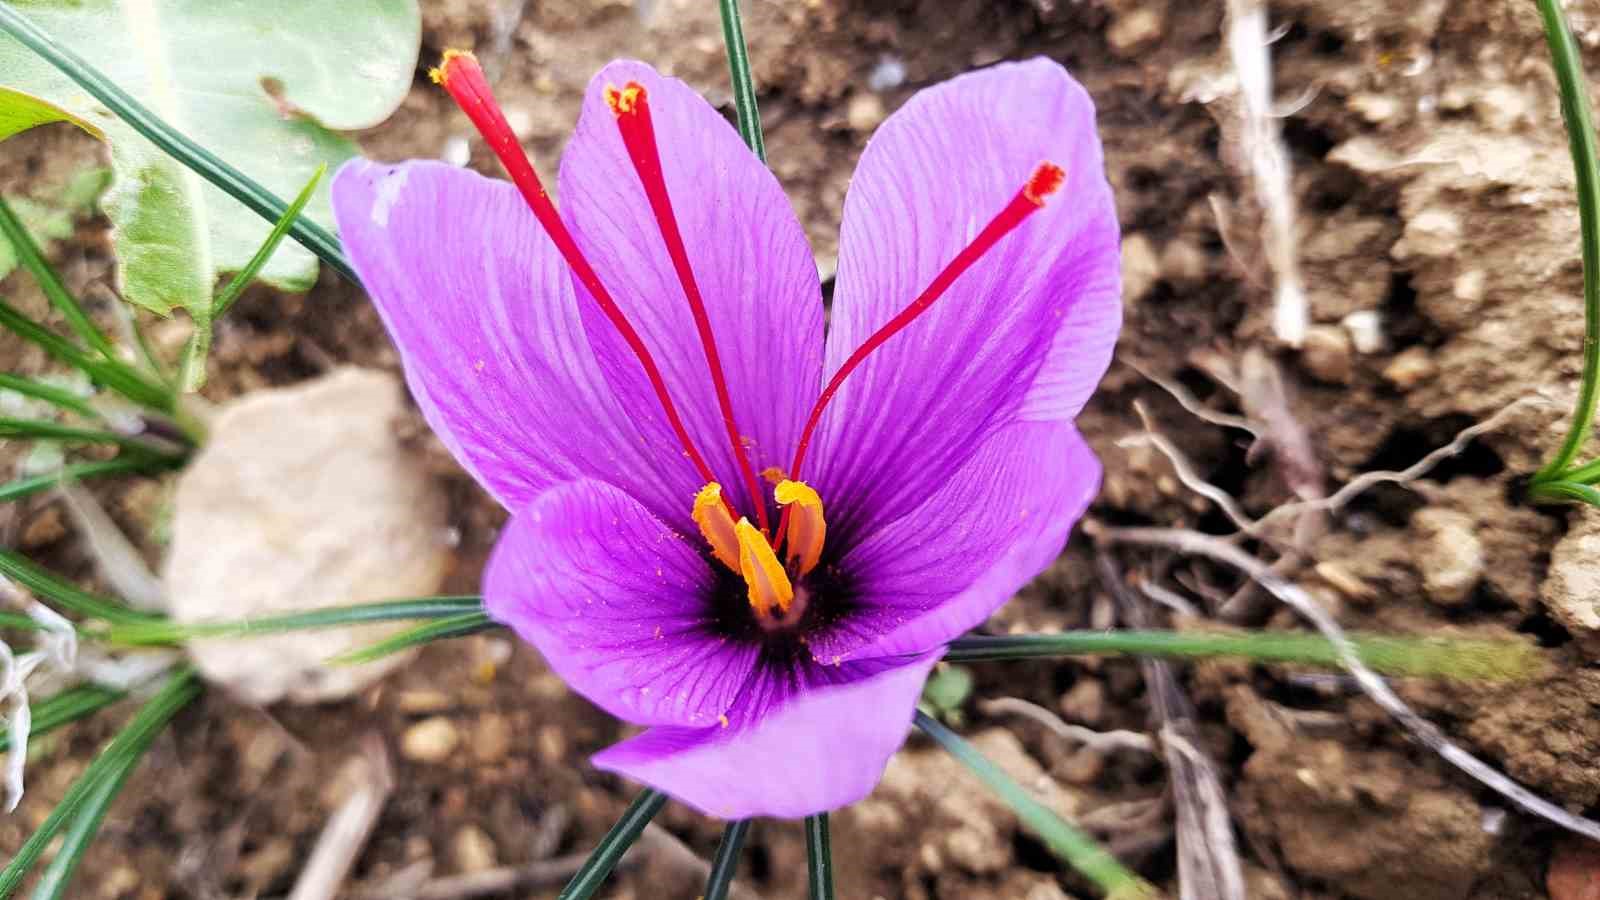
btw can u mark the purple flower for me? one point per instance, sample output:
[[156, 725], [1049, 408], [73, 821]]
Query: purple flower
[[697, 542]]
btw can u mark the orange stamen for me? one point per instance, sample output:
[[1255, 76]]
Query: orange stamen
[[460, 75], [631, 104], [1046, 179]]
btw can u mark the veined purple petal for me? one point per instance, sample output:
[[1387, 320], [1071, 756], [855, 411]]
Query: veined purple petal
[[614, 599], [934, 574], [483, 312], [792, 748], [1031, 324], [749, 256]]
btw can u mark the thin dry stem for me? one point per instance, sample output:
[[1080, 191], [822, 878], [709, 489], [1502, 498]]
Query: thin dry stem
[[347, 831], [1094, 740], [1197, 544]]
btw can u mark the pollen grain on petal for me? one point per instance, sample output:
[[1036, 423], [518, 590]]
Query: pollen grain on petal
[[711, 514], [1045, 180], [770, 590], [807, 528]]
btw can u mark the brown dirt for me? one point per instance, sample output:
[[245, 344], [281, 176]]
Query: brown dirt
[[1434, 187]]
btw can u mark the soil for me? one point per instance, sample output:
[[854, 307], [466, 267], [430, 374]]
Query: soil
[[1434, 190]]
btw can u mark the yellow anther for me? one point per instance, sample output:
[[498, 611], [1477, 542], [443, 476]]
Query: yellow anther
[[807, 529], [772, 474], [711, 514], [770, 591], [441, 73]]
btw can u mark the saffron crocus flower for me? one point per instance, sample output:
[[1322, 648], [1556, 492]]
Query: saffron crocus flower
[[750, 538]]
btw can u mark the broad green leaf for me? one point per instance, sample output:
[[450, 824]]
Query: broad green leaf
[[19, 112], [259, 84]]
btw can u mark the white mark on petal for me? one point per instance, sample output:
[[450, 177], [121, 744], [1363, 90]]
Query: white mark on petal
[[388, 192]]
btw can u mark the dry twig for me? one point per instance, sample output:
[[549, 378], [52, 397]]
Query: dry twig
[[1094, 740], [347, 831]]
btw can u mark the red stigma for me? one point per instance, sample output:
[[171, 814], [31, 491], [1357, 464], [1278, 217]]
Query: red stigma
[[631, 105], [1047, 177], [463, 78]]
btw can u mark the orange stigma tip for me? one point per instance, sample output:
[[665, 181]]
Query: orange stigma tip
[[626, 100], [441, 73], [1044, 181]]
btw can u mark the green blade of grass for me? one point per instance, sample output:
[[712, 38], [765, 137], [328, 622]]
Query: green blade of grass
[[49, 393], [609, 851], [157, 631], [123, 751], [66, 596], [191, 370], [118, 376], [41, 430], [206, 164], [65, 708], [426, 633], [1405, 656], [1567, 59], [1564, 490], [744, 83], [52, 885], [726, 862], [1074, 847], [33, 484], [819, 858], [33, 260]]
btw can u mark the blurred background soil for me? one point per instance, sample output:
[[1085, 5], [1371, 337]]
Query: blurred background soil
[[1434, 190]]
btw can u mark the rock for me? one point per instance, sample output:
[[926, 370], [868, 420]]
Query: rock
[[1366, 331], [430, 741], [1432, 232], [1571, 589], [491, 739], [864, 112], [1182, 261], [1409, 368], [301, 498], [1135, 29], [1085, 703], [1327, 354], [473, 850], [1448, 554], [1140, 268]]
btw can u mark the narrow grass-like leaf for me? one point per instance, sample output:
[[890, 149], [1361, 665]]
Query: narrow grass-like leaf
[[598, 866], [726, 862], [116, 375], [49, 393], [1406, 656], [59, 593], [1564, 490], [744, 83], [1074, 847], [426, 633], [64, 708], [41, 430], [819, 858], [52, 885], [123, 751], [158, 631], [19, 622], [172, 142], [33, 259], [1567, 58], [133, 463], [191, 371]]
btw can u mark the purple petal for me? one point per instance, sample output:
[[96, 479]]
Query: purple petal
[[1031, 324], [749, 256], [942, 570], [482, 310], [615, 600], [803, 748]]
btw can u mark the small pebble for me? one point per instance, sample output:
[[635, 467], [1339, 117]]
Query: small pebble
[[473, 850], [1140, 268], [864, 112], [1410, 368], [1448, 554], [1327, 353], [1366, 331], [431, 740], [417, 703], [1134, 29], [491, 739]]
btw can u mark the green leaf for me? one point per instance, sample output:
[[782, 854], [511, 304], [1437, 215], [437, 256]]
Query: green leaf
[[947, 689], [39, 430], [260, 84], [744, 84], [52, 885], [49, 393], [66, 596], [158, 631], [27, 250], [598, 866], [1077, 849], [118, 376], [122, 753], [51, 217], [33, 484], [726, 862], [19, 112], [819, 858], [426, 633]]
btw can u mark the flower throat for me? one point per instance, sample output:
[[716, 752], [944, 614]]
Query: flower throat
[[746, 548]]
